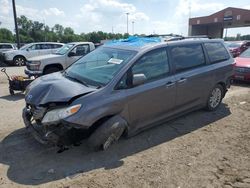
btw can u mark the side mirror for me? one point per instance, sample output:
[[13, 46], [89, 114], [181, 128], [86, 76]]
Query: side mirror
[[70, 54], [27, 49], [139, 79]]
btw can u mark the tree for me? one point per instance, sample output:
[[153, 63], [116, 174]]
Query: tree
[[6, 35]]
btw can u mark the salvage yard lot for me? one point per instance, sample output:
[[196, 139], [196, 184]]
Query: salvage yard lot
[[201, 149]]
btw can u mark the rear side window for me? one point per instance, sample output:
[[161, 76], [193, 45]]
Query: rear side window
[[216, 52], [56, 45], [5, 46], [187, 56]]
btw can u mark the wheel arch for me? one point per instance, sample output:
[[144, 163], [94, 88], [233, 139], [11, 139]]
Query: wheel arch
[[105, 118], [58, 65], [224, 86], [19, 55]]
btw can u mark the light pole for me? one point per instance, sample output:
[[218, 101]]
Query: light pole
[[127, 21], [133, 24], [17, 33]]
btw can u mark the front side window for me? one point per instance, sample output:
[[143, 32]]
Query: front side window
[[81, 49], [216, 52], [100, 66], [154, 65], [187, 56], [64, 49]]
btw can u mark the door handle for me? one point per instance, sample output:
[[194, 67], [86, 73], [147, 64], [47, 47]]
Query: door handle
[[182, 80], [170, 84]]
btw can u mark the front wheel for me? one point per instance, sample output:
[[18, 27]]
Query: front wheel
[[215, 98], [19, 61], [105, 135]]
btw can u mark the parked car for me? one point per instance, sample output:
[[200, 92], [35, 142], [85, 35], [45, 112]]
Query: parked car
[[242, 66], [236, 48], [59, 60], [7, 46], [19, 57], [122, 88]]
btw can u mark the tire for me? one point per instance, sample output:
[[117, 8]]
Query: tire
[[11, 92], [50, 70], [19, 61], [109, 132], [215, 98]]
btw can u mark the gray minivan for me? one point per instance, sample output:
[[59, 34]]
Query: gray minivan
[[126, 86]]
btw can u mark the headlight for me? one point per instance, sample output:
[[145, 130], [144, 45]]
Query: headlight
[[34, 65], [58, 114]]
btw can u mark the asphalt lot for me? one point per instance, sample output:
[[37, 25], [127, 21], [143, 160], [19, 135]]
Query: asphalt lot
[[201, 149]]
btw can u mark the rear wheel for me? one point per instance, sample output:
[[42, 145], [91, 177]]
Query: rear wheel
[[108, 133], [19, 61], [51, 70], [215, 98]]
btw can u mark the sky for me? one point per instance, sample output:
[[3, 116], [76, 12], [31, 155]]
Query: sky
[[149, 16]]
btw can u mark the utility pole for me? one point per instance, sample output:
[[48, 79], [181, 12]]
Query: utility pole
[[189, 9], [127, 21], [15, 20], [44, 30], [133, 24]]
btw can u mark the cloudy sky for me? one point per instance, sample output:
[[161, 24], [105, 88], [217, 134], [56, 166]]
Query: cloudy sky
[[149, 16]]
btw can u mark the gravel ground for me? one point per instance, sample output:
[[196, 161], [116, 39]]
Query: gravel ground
[[201, 149]]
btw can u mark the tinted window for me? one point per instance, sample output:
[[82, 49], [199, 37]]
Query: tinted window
[[154, 65], [187, 56], [5, 46], [56, 45], [45, 46], [216, 52], [81, 49]]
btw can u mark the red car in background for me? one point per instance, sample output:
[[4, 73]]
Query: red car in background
[[242, 66], [236, 47]]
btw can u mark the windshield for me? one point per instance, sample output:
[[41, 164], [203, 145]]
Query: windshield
[[63, 50], [246, 54], [100, 66], [233, 45]]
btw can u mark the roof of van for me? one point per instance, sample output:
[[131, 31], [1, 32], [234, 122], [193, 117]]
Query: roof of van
[[142, 43]]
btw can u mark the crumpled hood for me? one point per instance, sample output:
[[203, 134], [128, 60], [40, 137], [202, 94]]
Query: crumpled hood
[[54, 88], [44, 57]]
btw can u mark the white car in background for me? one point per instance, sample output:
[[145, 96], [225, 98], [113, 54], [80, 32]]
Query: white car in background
[[7, 46], [19, 57], [59, 60]]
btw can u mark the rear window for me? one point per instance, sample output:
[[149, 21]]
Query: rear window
[[216, 52], [187, 56]]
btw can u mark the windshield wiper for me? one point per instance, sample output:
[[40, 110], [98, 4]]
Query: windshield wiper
[[75, 79]]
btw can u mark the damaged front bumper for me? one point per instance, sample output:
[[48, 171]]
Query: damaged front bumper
[[44, 134]]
